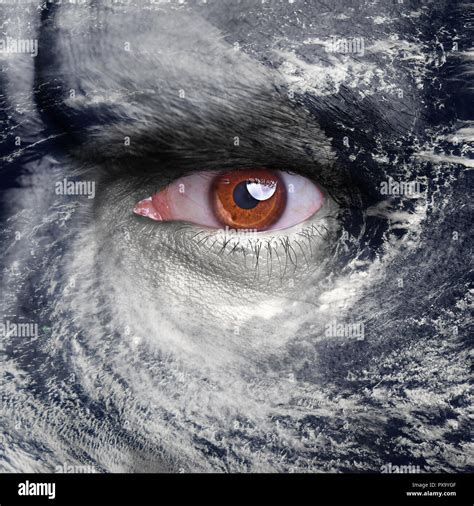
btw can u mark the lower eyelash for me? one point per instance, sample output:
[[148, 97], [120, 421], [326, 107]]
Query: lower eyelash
[[283, 253]]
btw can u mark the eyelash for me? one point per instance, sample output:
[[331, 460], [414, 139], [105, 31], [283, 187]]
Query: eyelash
[[278, 248]]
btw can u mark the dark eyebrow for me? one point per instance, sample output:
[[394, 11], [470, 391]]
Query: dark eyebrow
[[233, 111], [127, 118], [265, 130], [272, 132], [166, 139]]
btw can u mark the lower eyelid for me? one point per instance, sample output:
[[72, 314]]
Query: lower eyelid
[[316, 234]]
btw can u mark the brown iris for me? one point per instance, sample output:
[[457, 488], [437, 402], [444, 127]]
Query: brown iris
[[251, 198]]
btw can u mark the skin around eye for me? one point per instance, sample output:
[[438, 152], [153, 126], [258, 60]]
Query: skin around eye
[[255, 199]]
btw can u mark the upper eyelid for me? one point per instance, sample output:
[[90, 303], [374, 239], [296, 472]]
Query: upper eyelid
[[331, 182]]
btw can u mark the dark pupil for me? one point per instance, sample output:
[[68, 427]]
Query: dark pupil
[[243, 198]]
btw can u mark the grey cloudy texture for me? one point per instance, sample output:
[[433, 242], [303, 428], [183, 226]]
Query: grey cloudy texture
[[163, 348]]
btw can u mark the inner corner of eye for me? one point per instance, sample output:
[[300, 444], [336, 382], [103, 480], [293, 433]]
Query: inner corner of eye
[[254, 199]]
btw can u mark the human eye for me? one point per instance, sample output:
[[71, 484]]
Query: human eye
[[265, 223], [251, 200], [233, 225]]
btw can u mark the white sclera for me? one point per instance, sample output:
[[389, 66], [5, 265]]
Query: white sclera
[[303, 199], [192, 204], [260, 191]]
